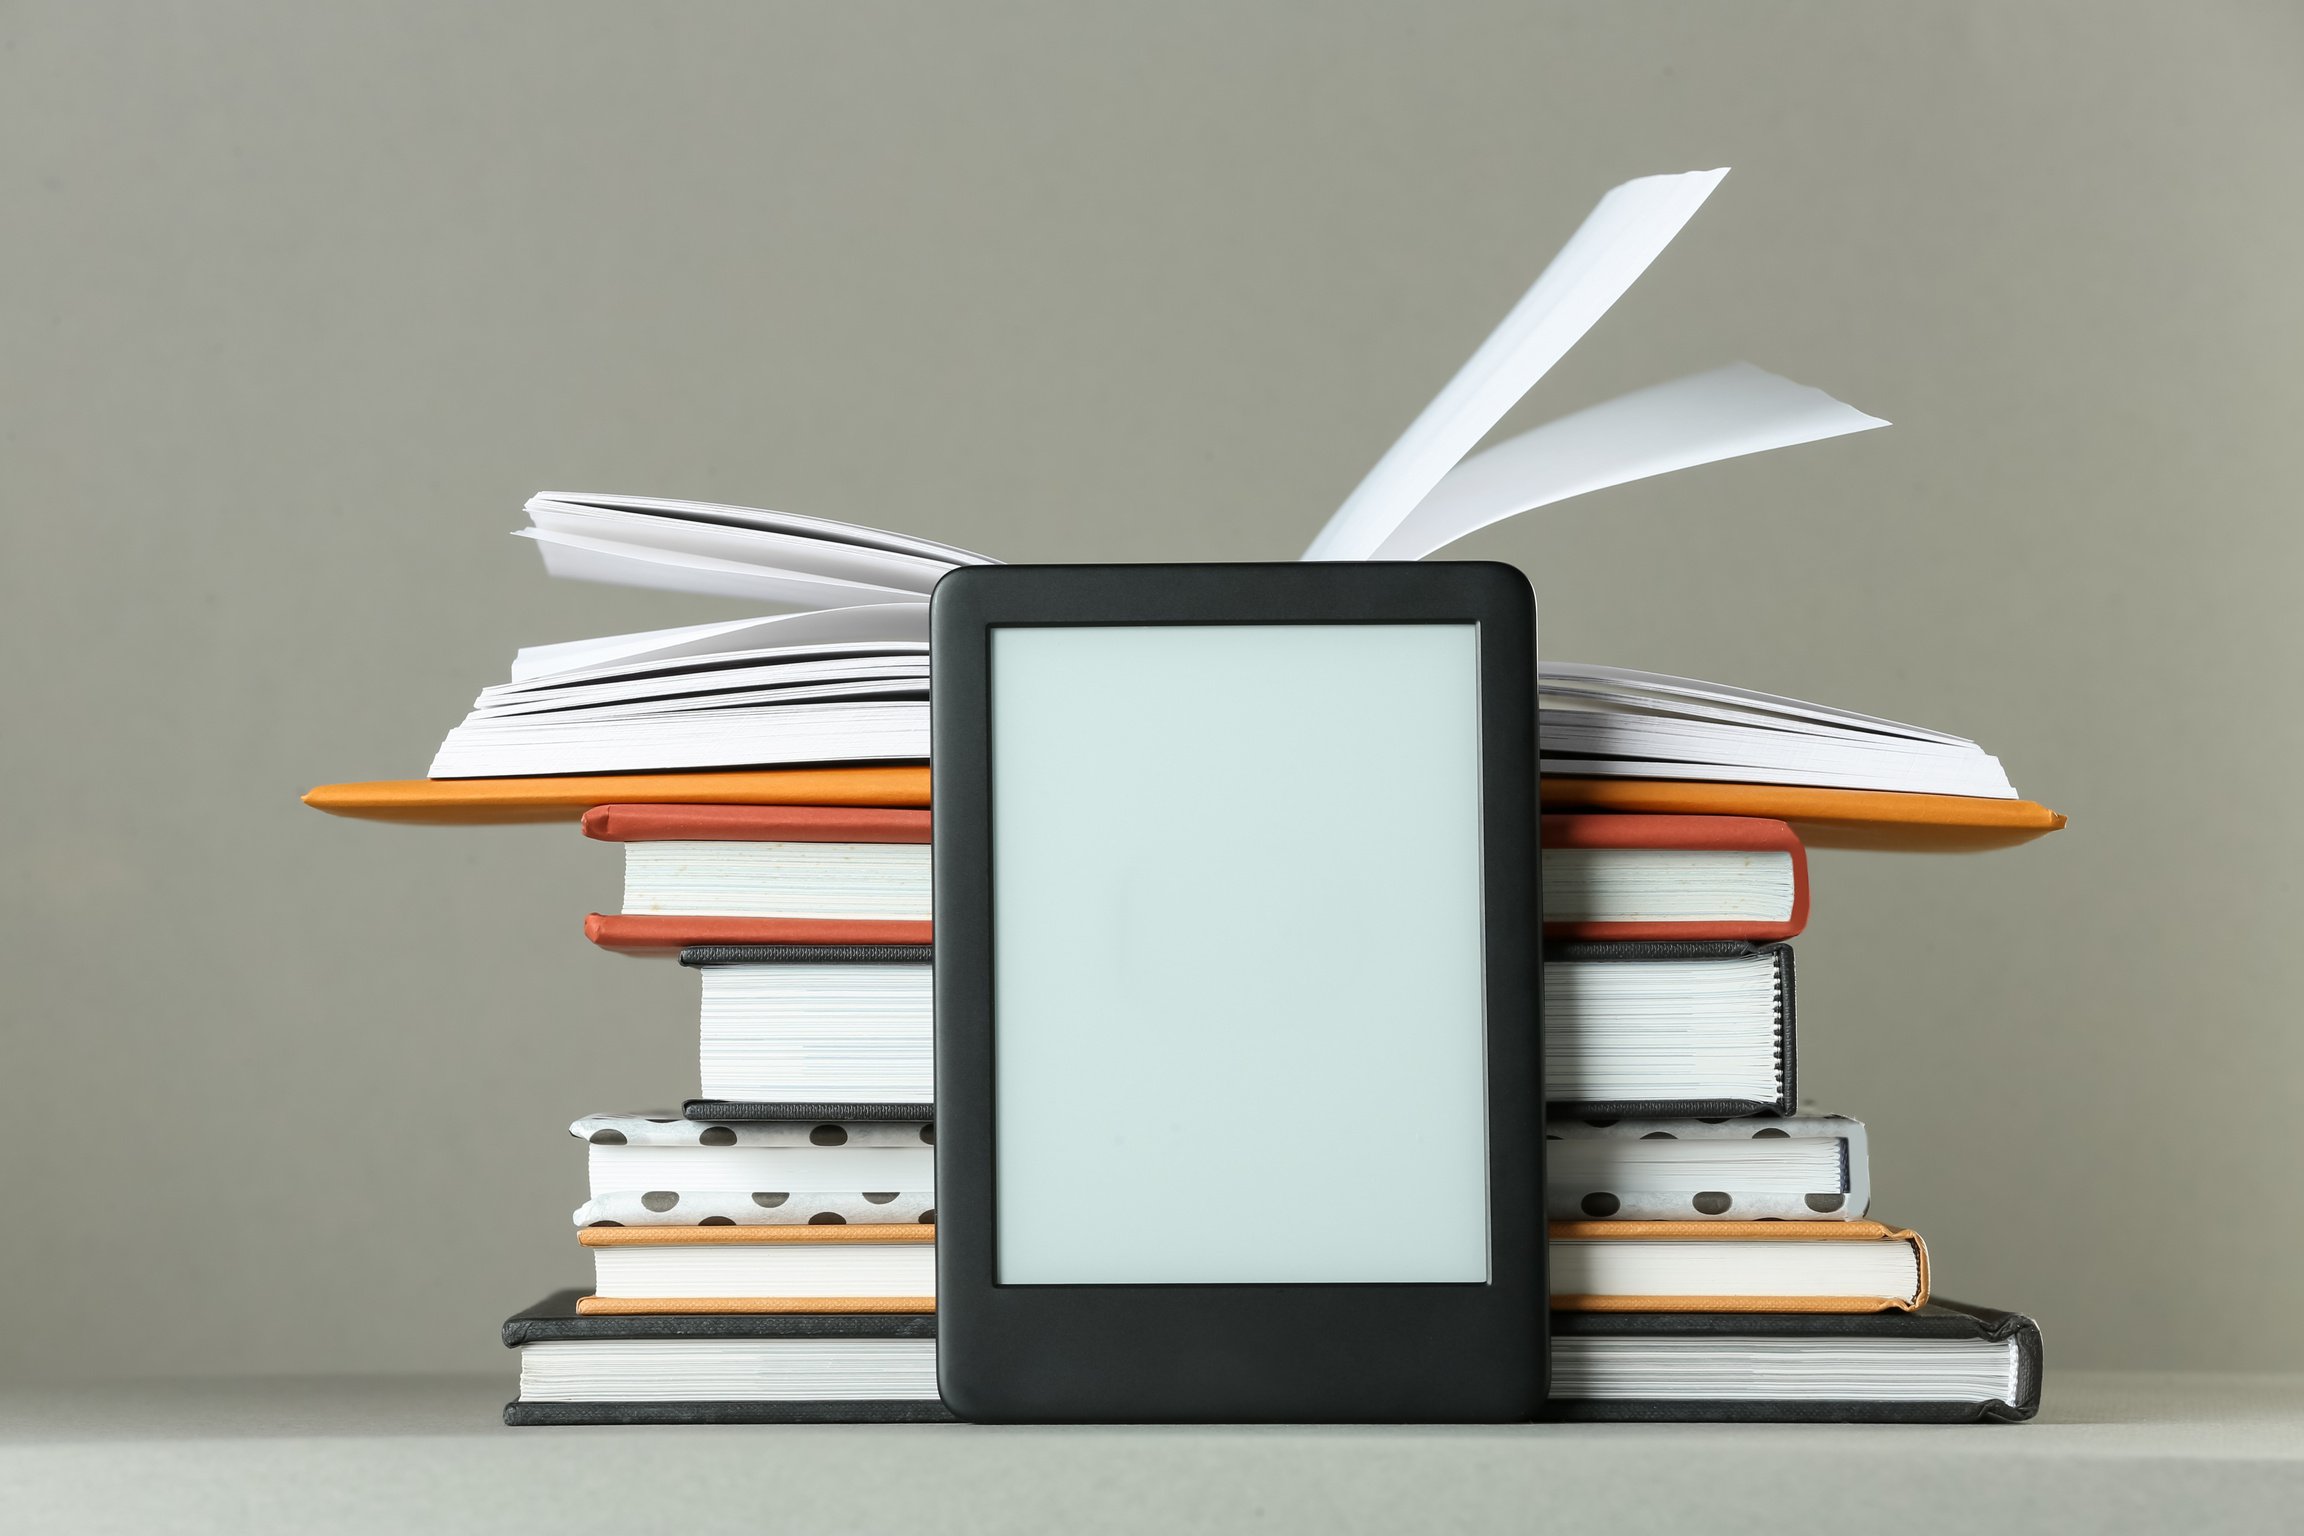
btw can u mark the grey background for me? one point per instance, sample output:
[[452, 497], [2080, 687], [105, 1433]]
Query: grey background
[[299, 301]]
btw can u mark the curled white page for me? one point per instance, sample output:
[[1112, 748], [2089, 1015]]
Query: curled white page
[[1617, 241], [1701, 419], [822, 529], [578, 558], [905, 621]]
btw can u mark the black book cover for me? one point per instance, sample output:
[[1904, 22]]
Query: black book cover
[[803, 1109], [807, 954], [1787, 1098], [1939, 1319], [554, 1319], [862, 1411]]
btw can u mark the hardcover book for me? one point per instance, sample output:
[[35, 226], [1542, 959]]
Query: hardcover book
[[702, 1368], [655, 1170], [720, 874], [796, 1024], [1823, 818], [1699, 1028], [812, 1268], [1736, 1266], [1702, 1028], [734, 874], [1673, 877], [1797, 1167], [1941, 1363]]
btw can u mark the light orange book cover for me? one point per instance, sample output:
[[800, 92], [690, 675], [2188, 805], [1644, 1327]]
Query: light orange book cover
[[1727, 1232], [481, 802], [1824, 818], [651, 933], [751, 1237]]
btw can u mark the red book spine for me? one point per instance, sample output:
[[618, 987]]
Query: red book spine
[[754, 824]]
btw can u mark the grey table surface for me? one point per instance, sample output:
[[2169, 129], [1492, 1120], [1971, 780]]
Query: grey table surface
[[2110, 1452]]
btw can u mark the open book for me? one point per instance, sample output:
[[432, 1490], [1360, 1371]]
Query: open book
[[845, 678]]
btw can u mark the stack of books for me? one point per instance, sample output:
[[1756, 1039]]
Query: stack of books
[[1711, 1252], [765, 1254]]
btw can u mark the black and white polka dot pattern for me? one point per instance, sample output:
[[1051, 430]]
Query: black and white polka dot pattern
[[722, 1207], [756, 1208], [1582, 1203]]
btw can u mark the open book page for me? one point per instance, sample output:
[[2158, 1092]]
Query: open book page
[[712, 681], [821, 530], [1723, 414], [577, 558], [824, 626], [1746, 705], [770, 548], [779, 559], [1617, 241]]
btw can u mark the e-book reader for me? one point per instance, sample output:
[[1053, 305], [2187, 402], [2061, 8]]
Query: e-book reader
[[1238, 1036]]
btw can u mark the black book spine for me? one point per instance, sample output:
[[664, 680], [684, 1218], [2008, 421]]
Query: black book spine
[[812, 1110], [807, 954], [878, 1411]]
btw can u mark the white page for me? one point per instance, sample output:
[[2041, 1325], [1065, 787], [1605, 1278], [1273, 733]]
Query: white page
[[874, 730], [1564, 765], [748, 546], [1556, 695], [698, 670], [706, 686], [1617, 241], [697, 706], [1701, 419], [1885, 766], [585, 559], [861, 623], [820, 528], [1627, 682]]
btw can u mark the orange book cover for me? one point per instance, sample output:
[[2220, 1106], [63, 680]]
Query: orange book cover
[[639, 933], [732, 1236], [480, 802], [1824, 818]]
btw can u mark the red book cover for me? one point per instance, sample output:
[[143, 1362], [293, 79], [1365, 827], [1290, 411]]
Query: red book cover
[[754, 824], [1694, 834]]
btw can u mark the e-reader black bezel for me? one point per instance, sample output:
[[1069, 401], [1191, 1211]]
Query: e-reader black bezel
[[1235, 1353]]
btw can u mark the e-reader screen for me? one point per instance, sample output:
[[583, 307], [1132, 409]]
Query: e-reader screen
[[1237, 958]]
